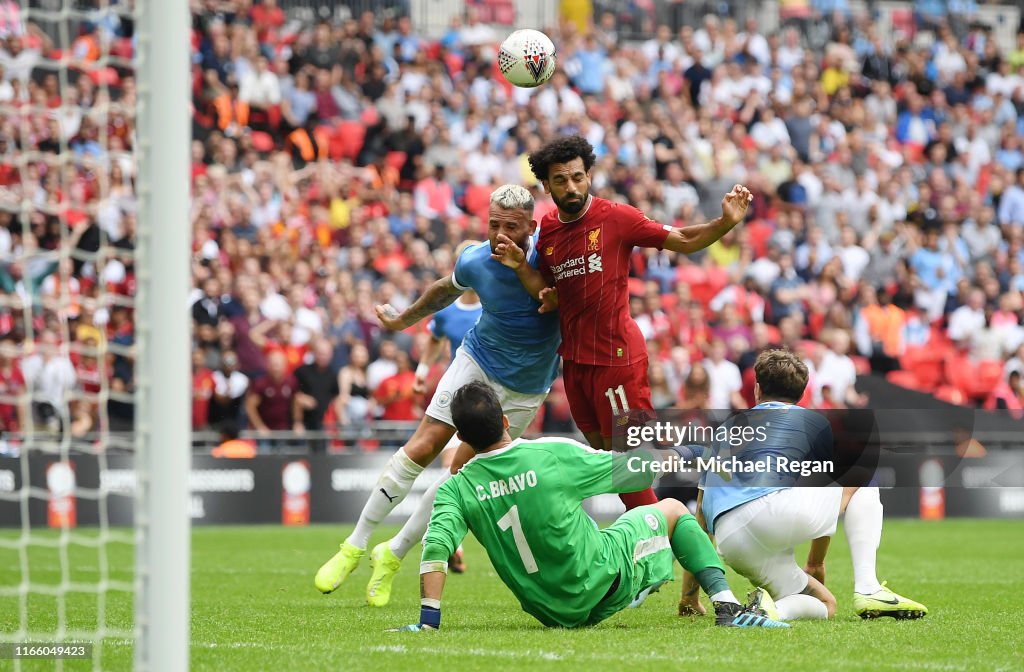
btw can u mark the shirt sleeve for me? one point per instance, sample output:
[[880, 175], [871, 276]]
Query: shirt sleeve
[[639, 230], [446, 530], [462, 278], [593, 472], [435, 326]]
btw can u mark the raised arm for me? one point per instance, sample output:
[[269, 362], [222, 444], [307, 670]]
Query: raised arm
[[439, 295], [692, 239], [430, 355], [511, 255]]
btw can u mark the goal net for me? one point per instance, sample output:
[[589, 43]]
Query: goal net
[[89, 349]]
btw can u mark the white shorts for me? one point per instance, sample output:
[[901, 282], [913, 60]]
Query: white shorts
[[520, 408], [757, 539]]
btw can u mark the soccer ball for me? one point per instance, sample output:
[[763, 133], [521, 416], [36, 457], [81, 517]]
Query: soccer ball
[[527, 58]]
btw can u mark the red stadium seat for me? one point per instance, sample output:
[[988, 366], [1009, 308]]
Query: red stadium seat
[[262, 142], [691, 274], [951, 395], [985, 377], [347, 140], [862, 364], [478, 199], [395, 160]]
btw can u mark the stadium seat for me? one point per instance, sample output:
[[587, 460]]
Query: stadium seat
[[926, 363], [861, 364], [985, 376], [347, 140], [478, 199], [691, 274], [262, 142], [395, 160], [951, 395], [959, 372]]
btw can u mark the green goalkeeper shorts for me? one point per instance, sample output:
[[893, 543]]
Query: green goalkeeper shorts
[[638, 542]]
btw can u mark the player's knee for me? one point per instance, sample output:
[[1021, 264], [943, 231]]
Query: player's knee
[[673, 510], [427, 443]]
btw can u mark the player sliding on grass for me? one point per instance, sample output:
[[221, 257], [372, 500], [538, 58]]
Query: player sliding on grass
[[523, 502], [585, 246], [513, 347], [758, 518]]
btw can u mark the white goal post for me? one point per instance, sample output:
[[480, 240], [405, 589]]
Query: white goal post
[[163, 406]]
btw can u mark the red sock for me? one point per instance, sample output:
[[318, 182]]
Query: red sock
[[641, 498]]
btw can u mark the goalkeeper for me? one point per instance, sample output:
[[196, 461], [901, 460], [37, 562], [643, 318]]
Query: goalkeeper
[[523, 501]]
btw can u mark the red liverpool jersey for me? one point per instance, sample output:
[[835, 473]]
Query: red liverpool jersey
[[588, 262]]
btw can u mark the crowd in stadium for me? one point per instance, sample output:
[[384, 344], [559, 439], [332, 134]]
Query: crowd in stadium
[[337, 166]]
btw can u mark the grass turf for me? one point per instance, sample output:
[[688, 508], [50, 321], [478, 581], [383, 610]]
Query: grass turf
[[255, 608]]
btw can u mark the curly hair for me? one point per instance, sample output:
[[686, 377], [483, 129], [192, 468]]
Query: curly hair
[[781, 375], [561, 150]]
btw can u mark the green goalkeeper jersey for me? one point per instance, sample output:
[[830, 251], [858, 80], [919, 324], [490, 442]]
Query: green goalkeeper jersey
[[523, 503]]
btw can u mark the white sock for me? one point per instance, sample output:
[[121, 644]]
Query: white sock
[[724, 596], [391, 488], [414, 529], [797, 606], [863, 526]]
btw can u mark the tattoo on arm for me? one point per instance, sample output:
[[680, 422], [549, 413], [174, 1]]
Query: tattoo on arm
[[439, 295]]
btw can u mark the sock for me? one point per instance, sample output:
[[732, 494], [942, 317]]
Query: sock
[[391, 488], [641, 498], [695, 552], [414, 529], [797, 606], [863, 526], [725, 595]]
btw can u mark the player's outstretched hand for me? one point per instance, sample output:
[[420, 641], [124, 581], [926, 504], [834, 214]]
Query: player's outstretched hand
[[414, 627], [734, 205], [548, 300], [389, 317], [507, 252]]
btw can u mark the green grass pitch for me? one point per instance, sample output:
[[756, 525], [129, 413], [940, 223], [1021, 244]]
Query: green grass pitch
[[255, 608]]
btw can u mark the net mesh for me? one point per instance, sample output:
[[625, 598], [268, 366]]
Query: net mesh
[[67, 106]]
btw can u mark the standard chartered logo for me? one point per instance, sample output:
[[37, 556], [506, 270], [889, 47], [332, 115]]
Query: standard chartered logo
[[594, 263]]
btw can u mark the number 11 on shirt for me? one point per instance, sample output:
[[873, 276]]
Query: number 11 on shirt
[[622, 406]]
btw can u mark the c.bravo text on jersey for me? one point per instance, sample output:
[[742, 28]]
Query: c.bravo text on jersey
[[507, 486]]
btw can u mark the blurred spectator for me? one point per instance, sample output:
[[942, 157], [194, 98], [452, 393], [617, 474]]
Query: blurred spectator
[[395, 394], [317, 388], [355, 400], [202, 390], [50, 377], [268, 405], [229, 388], [14, 407], [724, 377], [231, 446]]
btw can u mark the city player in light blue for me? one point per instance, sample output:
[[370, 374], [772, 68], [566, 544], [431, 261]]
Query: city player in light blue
[[513, 347], [758, 516]]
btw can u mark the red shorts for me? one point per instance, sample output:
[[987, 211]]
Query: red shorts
[[598, 395]]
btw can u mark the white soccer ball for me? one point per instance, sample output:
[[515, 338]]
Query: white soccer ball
[[527, 58]]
